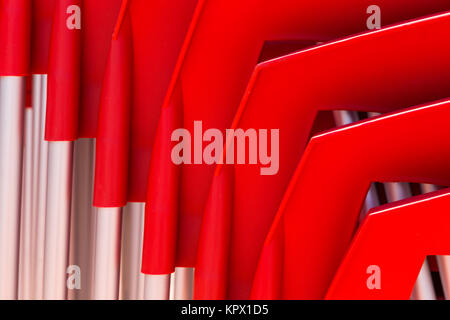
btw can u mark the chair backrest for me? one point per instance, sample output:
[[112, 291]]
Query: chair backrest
[[219, 56], [320, 209], [382, 71]]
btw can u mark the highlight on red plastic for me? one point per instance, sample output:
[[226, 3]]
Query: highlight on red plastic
[[320, 209], [387, 252], [220, 52], [98, 18], [15, 37], [381, 71]]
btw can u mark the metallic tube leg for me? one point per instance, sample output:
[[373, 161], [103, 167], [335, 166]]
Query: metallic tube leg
[[25, 264], [12, 105], [426, 188], [172, 286], [184, 283], [157, 287], [41, 192], [424, 290], [81, 235], [141, 281], [444, 271], [37, 270], [343, 118], [107, 254], [371, 201], [396, 191], [132, 279], [37, 99], [57, 222]]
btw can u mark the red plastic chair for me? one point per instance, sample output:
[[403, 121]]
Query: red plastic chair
[[382, 71], [73, 93], [15, 23], [219, 55], [158, 28], [97, 24], [15, 18], [320, 209], [388, 251]]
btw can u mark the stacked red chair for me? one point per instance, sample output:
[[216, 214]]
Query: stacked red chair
[[224, 150]]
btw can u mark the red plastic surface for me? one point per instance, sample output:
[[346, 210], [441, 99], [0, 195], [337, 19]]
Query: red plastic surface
[[15, 37], [40, 33], [114, 126], [395, 239], [158, 29], [64, 68], [98, 19], [221, 51], [169, 182], [321, 207], [381, 71]]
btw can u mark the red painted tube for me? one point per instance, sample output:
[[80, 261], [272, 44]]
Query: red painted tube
[[64, 72], [113, 133], [28, 98], [15, 37]]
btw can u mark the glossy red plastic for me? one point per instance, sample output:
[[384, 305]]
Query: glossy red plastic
[[221, 50], [114, 126], [40, 34], [64, 68], [164, 250], [386, 254], [98, 19], [213, 256], [381, 71], [158, 29], [320, 209], [97, 24], [15, 37]]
